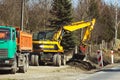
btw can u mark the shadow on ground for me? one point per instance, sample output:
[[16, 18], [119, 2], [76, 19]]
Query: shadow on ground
[[110, 70], [4, 72]]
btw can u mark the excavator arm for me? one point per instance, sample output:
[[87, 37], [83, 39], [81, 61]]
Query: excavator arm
[[88, 31], [75, 26], [58, 34], [80, 25]]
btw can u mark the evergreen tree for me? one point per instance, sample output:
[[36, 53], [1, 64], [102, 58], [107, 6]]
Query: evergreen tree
[[94, 8], [61, 15]]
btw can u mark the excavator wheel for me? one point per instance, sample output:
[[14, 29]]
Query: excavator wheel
[[36, 59], [54, 59], [58, 60], [63, 60], [32, 60]]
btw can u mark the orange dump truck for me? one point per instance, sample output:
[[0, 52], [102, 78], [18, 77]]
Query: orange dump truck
[[15, 46]]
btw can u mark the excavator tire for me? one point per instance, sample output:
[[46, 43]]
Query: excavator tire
[[54, 59], [63, 60], [32, 60], [36, 60], [58, 60]]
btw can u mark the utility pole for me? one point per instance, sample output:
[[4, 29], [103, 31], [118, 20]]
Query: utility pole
[[45, 13], [22, 14], [116, 20]]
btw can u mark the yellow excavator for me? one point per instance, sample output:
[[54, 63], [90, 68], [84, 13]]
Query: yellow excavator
[[47, 44]]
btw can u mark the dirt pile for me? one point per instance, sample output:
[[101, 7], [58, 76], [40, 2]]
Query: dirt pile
[[92, 60], [81, 64]]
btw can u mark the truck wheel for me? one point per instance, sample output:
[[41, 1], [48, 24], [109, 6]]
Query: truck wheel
[[54, 59], [63, 61], [32, 60], [36, 60], [58, 60], [23, 68], [27, 62], [14, 67]]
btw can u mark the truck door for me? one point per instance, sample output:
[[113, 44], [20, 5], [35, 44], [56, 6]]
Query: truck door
[[14, 41]]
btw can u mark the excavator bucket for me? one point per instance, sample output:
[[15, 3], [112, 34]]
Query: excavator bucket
[[79, 53]]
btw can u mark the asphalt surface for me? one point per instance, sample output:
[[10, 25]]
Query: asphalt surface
[[104, 74]]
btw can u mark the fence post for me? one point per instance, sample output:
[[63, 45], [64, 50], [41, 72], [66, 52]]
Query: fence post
[[76, 49], [112, 57], [100, 58]]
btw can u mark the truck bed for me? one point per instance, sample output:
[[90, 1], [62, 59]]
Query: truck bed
[[24, 41]]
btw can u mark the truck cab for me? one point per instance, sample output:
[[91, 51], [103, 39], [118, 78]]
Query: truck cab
[[7, 45], [15, 46]]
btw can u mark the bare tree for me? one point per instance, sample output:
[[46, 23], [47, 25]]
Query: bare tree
[[39, 15], [10, 11]]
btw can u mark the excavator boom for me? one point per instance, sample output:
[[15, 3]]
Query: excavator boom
[[79, 25]]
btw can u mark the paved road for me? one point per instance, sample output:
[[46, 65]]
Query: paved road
[[105, 74]]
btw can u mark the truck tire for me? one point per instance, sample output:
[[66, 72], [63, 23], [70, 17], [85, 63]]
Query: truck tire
[[36, 59], [58, 60], [63, 60], [32, 60], [23, 68], [14, 67], [27, 62], [54, 59]]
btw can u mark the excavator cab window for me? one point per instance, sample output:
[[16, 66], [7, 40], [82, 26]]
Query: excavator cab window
[[49, 35], [46, 35], [39, 36]]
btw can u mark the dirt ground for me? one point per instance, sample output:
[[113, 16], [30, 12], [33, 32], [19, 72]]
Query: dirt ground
[[45, 73]]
